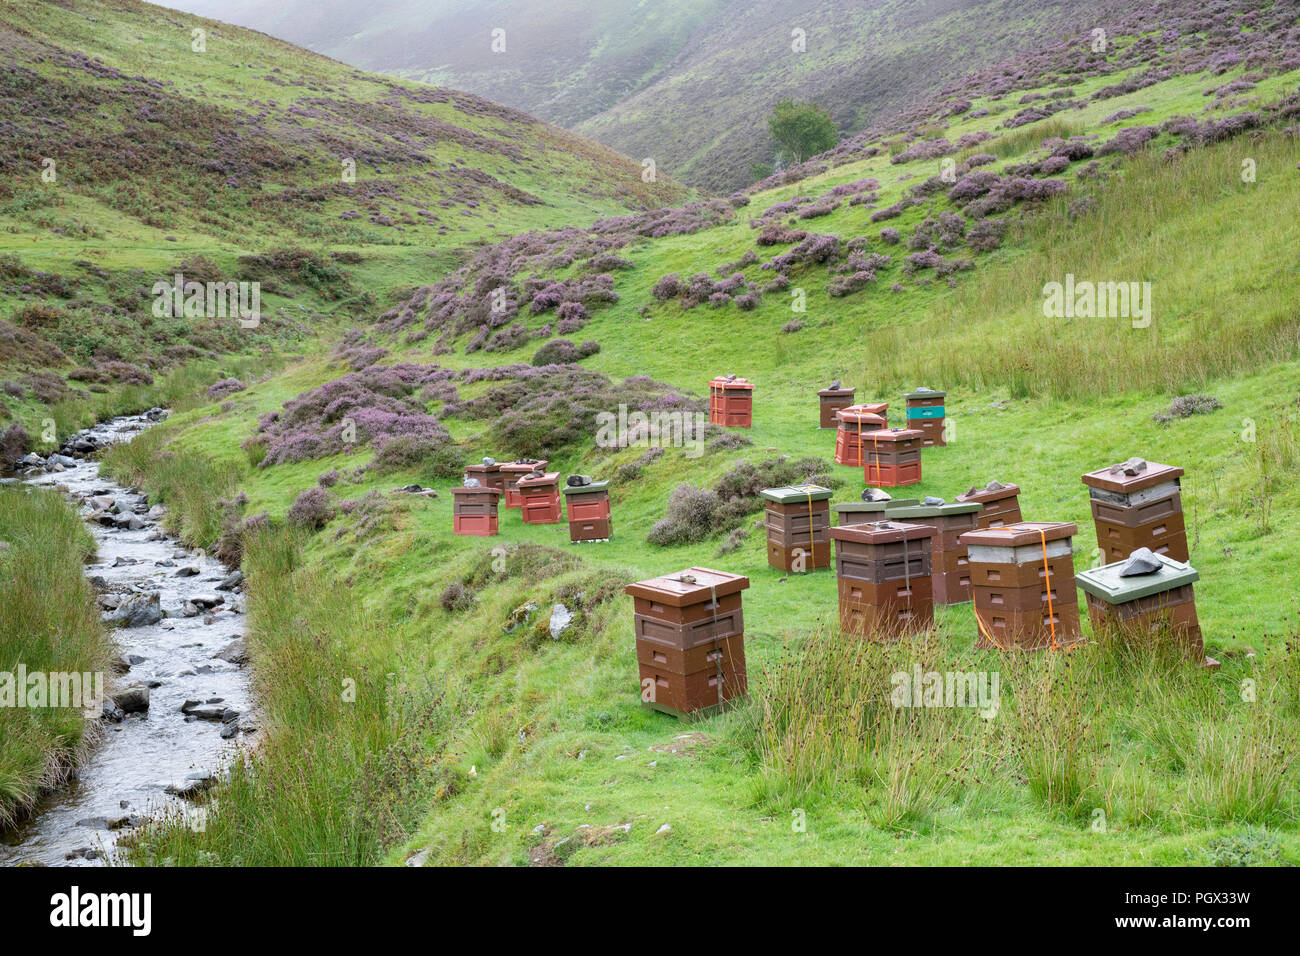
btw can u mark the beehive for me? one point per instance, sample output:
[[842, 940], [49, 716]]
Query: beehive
[[487, 474], [1139, 606], [926, 412], [892, 457], [1022, 583], [863, 512], [950, 567], [512, 471], [589, 511], [798, 520], [690, 640], [1138, 504], [882, 574], [852, 422], [474, 510], [1000, 504], [832, 400], [731, 402], [539, 498]]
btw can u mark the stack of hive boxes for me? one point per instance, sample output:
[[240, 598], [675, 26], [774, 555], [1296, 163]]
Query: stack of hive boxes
[[731, 402], [950, 576], [539, 497], [512, 471], [488, 474], [882, 573], [474, 510], [893, 457], [798, 520], [853, 422], [925, 411], [863, 512], [1145, 594], [832, 400], [1000, 504], [690, 640], [1022, 582], [588, 508], [1137, 504]]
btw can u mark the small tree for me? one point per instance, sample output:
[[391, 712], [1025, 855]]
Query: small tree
[[801, 130]]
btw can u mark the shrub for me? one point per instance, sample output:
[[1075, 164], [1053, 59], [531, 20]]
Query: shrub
[[457, 598], [14, 443], [668, 287], [563, 351], [225, 387], [311, 509], [1185, 406]]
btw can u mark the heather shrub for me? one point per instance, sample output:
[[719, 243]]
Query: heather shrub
[[564, 352], [457, 598], [1185, 406], [224, 388], [668, 287], [14, 443], [312, 509]]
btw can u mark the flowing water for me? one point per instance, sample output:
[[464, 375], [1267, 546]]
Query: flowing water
[[129, 772]]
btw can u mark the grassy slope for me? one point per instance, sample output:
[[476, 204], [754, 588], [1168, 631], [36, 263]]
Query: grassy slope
[[543, 726]]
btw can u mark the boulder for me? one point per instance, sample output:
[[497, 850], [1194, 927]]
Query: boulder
[[139, 610], [133, 700]]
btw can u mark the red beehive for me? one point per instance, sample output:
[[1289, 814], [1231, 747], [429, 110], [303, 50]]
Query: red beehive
[[589, 511], [1138, 504], [853, 422], [488, 474], [1022, 583], [731, 402], [798, 520], [893, 457], [540, 497], [883, 578], [512, 471], [690, 640], [474, 510], [1000, 504], [832, 400], [925, 411]]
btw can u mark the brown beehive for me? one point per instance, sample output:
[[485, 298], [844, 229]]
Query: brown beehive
[[1022, 583], [883, 579], [589, 511], [798, 520], [488, 473], [1143, 597], [950, 566], [892, 457], [851, 423], [731, 402], [690, 640], [512, 471], [926, 413], [474, 510], [1000, 504], [1138, 504], [539, 497], [831, 401]]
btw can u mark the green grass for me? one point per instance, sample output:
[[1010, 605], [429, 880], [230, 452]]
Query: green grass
[[49, 623]]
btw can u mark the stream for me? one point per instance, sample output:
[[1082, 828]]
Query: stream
[[191, 661]]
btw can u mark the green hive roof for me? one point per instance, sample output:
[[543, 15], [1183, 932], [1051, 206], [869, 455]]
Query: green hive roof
[[1106, 583], [793, 494]]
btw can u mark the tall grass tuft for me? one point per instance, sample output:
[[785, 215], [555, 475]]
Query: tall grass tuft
[[49, 622]]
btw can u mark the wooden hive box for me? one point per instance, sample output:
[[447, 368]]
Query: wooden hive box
[[474, 510], [1022, 583], [999, 505], [589, 513], [950, 572], [690, 640], [731, 402], [1138, 504], [1145, 605], [851, 423], [798, 520], [892, 457], [512, 471], [539, 498], [831, 400], [883, 579], [487, 473], [926, 412]]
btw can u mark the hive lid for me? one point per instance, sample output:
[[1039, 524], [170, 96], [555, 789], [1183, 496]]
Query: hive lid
[[586, 489], [881, 532], [1018, 535], [990, 493], [479, 490], [522, 464], [1111, 586], [880, 506], [701, 585], [932, 511], [731, 381], [893, 434], [485, 467], [862, 410], [1132, 475], [793, 494], [848, 391], [549, 478], [924, 392]]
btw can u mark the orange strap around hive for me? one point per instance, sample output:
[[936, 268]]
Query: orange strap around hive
[[1047, 579], [812, 538], [979, 622]]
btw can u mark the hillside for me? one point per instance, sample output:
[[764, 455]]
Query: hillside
[[919, 252], [660, 79]]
